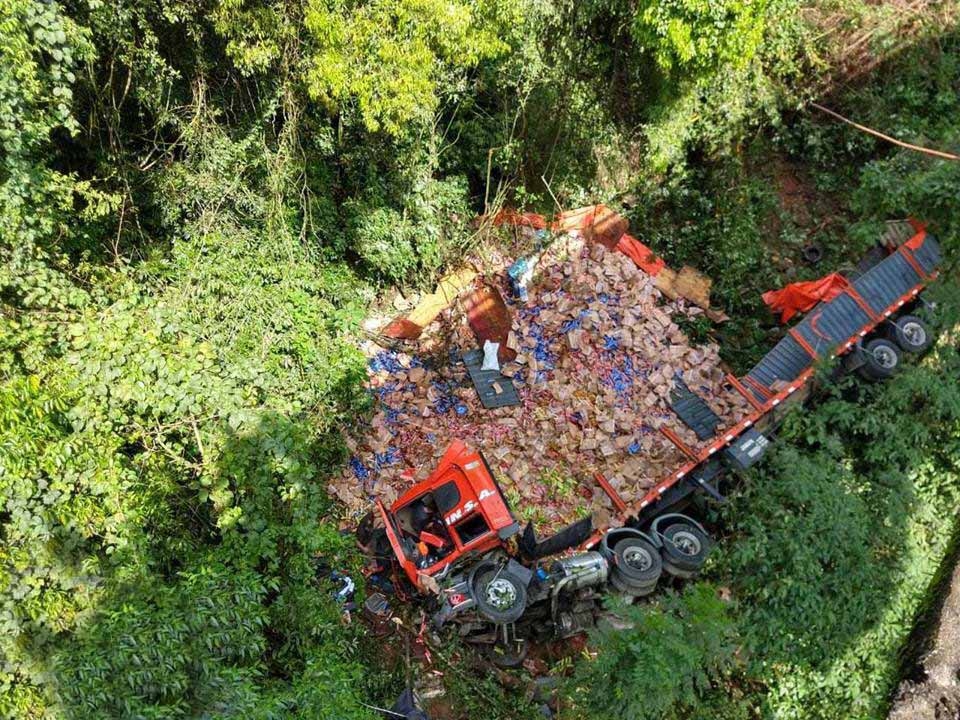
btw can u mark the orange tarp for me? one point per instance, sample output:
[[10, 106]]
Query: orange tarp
[[512, 217], [799, 297], [916, 242], [642, 256]]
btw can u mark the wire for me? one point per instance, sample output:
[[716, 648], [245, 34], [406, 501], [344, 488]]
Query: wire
[[917, 148], [383, 710]]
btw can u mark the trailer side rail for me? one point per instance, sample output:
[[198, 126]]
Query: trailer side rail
[[830, 329]]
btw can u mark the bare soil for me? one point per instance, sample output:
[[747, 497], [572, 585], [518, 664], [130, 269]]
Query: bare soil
[[936, 694]]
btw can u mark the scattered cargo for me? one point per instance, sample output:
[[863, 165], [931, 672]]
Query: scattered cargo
[[454, 534], [590, 363]]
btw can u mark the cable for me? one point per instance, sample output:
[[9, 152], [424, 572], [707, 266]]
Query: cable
[[917, 148]]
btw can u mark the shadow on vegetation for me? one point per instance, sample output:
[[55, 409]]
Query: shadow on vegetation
[[835, 544], [245, 627]]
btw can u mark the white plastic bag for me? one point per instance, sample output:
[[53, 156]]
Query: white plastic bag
[[490, 361]]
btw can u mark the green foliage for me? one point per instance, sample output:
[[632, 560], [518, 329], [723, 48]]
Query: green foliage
[[390, 57], [717, 220], [700, 35], [142, 455], [386, 242], [916, 107], [471, 694], [388, 62], [40, 51], [559, 483], [661, 663], [412, 245], [840, 538], [169, 650], [166, 429]]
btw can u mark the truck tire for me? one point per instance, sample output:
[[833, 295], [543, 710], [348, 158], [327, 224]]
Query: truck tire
[[508, 656], [881, 359], [911, 334], [631, 587], [500, 595], [637, 559], [678, 572], [685, 549]]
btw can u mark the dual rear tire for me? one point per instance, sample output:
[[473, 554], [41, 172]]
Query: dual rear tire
[[911, 334], [685, 548], [882, 357], [637, 564]]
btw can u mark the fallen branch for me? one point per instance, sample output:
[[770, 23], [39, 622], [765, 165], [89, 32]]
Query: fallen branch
[[917, 148]]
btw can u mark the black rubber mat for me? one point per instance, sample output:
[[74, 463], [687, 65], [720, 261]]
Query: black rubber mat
[[692, 409], [487, 381]]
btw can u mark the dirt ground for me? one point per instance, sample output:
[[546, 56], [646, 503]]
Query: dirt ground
[[937, 696]]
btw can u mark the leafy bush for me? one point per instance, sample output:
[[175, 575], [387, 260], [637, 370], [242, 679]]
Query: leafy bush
[[840, 537], [386, 243], [700, 35], [165, 430], [661, 662], [411, 246], [169, 650]]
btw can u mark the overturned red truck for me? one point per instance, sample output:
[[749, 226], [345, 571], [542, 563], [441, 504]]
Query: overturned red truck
[[454, 538]]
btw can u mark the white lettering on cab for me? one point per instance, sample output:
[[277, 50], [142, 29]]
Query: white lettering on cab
[[468, 507]]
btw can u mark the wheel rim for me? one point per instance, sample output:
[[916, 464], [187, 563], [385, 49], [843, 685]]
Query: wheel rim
[[638, 558], [687, 543], [885, 357], [501, 594], [914, 333]]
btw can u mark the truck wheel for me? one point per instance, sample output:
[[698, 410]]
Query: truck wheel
[[881, 359], [637, 559], [508, 656], [684, 549], [631, 587], [500, 595], [678, 572], [911, 334]]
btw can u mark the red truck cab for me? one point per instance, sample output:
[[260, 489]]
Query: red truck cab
[[458, 510]]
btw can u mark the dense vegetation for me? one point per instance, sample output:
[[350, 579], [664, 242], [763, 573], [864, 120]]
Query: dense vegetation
[[201, 199], [832, 549]]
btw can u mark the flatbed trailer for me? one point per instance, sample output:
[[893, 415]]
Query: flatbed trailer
[[783, 376]]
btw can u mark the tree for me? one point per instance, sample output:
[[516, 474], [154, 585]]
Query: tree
[[658, 665]]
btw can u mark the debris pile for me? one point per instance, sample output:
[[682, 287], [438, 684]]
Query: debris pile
[[597, 350]]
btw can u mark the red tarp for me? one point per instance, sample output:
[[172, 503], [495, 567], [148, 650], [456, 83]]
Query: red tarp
[[642, 256], [799, 297], [508, 216]]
